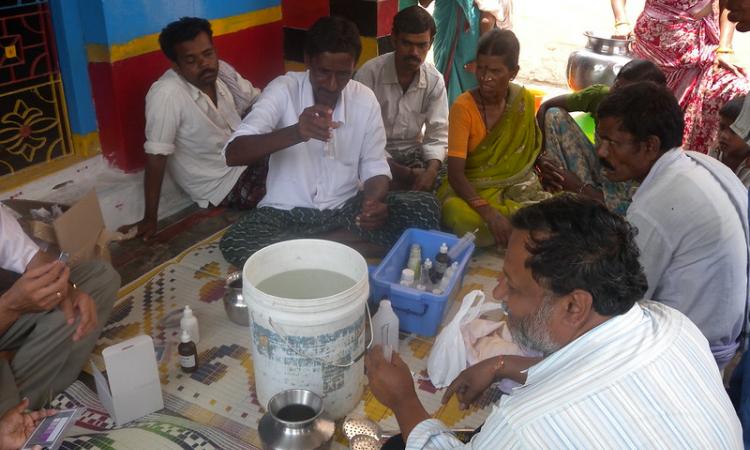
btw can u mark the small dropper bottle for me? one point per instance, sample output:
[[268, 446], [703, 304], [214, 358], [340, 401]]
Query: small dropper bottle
[[188, 353]]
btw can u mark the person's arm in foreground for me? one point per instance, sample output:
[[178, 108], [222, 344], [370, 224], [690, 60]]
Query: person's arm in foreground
[[43, 286], [17, 425], [474, 380], [315, 122], [392, 384]]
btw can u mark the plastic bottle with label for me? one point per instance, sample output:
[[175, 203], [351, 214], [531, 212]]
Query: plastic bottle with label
[[385, 329], [190, 323], [188, 353], [442, 262], [415, 259]]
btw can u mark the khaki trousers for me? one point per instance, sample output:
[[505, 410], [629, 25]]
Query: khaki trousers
[[46, 359]]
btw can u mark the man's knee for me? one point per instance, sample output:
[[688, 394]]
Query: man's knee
[[100, 280]]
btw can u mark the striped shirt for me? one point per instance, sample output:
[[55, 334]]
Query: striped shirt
[[644, 379]]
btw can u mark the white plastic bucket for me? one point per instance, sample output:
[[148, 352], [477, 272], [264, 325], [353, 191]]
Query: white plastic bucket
[[314, 343]]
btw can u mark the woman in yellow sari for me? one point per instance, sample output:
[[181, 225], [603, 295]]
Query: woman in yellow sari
[[491, 174]]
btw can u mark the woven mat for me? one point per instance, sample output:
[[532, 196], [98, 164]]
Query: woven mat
[[95, 429], [221, 393]]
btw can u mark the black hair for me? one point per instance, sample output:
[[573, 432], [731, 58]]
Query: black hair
[[503, 43], [333, 34], [414, 20], [642, 70], [185, 29], [646, 109], [731, 109], [577, 243]]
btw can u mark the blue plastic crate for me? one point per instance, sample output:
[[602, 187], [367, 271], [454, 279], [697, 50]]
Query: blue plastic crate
[[418, 312]]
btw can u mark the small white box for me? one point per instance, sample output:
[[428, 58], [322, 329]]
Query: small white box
[[134, 389]]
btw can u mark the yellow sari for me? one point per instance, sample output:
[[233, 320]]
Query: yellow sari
[[501, 169]]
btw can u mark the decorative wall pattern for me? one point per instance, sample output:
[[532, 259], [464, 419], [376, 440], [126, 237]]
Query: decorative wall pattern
[[33, 121]]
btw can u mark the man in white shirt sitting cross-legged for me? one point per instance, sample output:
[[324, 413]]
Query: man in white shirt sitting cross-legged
[[617, 371], [412, 95], [690, 211], [325, 138], [191, 112]]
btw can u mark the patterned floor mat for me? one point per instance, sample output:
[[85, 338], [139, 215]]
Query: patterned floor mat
[[221, 394]]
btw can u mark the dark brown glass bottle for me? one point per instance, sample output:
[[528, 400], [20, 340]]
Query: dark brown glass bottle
[[188, 353]]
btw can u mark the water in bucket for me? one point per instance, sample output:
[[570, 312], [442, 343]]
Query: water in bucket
[[306, 283]]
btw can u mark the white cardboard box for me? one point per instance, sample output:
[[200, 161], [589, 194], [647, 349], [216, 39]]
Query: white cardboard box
[[134, 389]]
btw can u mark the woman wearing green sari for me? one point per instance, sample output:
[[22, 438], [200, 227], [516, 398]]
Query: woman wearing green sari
[[491, 174], [459, 25]]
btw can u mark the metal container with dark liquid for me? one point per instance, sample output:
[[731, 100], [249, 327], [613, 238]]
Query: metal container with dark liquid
[[598, 63], [295, 420]]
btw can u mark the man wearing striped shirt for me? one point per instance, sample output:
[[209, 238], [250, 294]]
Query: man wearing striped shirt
[[617, 372]]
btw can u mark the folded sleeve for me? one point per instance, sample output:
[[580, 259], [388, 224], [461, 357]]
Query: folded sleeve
[[16, 248], [163, 115]]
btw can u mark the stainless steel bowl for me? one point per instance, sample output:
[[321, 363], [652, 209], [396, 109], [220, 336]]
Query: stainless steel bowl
[[234, 304]]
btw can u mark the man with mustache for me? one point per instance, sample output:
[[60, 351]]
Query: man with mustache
[[690, 211], [568, 160], [190, 113], [412, 95], [324, 135], [617, 372]]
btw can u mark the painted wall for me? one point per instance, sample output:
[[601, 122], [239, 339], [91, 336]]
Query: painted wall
[[374, 18], [109, 52]]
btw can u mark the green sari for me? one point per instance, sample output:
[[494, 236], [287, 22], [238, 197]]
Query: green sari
[[501, 169]]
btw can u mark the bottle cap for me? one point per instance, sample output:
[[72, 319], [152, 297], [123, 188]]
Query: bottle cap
[[385, 302], [185, 336], [187, 312], [407, 275], [443, 248], [428, 262]]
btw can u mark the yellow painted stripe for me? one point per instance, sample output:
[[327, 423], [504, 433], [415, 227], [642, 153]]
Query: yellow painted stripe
[[369, 50], [150, 42], [87, 145], [294, 66]]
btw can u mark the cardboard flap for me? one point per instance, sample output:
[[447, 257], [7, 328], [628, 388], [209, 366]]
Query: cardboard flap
[[79, 228]]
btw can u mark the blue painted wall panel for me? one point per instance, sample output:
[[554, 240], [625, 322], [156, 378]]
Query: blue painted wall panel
[[66, 23], [125, 20]]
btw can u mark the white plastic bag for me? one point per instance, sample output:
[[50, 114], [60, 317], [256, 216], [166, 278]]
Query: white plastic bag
[[448, 356]]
